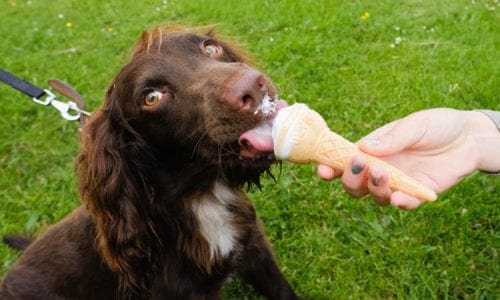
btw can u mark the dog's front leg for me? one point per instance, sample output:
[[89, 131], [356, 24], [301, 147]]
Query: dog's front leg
[[258, 267]]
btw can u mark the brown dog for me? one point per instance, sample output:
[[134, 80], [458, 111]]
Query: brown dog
[[160, 172]]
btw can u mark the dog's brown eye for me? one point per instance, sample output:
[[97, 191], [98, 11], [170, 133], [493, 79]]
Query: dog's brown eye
[[212, 50], [152, 98]]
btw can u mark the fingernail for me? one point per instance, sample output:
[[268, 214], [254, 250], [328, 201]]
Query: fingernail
[[376, 181], [356, 169], [372, 141]]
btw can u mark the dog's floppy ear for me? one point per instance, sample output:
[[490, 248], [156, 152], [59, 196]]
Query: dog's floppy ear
[[115, 184]]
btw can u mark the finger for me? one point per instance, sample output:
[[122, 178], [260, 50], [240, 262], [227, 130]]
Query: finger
[[327, 173], [371, 142], [378, 185], [394, 137], [404, 201], [374, 135], [354, 177]]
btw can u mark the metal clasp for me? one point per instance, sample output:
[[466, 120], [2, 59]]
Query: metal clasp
[[69, 110], [50, 97]]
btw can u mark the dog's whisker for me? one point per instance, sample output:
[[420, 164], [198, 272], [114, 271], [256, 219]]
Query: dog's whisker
[[220, 147], [197, 145], [229, 149]]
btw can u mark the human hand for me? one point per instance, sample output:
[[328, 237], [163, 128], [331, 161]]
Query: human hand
[[437, 147]]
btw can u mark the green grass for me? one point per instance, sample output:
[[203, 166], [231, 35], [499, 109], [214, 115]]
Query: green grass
[[319, 52]]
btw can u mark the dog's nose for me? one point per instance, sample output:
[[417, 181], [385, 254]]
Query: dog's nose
[[244, 91]]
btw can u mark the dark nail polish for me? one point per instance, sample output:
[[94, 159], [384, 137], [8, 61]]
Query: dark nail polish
[[376, 181], [356, 169]]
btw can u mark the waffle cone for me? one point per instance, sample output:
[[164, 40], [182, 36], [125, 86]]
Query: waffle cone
[[302, 136]]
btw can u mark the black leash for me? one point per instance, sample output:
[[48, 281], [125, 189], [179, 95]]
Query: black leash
[[71, 110], [21, 85]]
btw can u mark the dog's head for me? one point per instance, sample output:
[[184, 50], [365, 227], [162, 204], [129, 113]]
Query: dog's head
[[194, 97]]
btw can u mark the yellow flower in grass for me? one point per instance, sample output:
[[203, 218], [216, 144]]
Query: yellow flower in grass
[[69, 24], [365, 15]]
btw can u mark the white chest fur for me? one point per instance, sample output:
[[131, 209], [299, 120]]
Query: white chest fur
[[215, 219]]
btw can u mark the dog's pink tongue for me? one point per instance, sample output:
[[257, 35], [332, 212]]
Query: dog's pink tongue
[[257, 141]]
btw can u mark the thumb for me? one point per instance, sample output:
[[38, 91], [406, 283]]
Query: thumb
[[391, 138]]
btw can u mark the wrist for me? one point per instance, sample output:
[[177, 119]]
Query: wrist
[[486, 137]]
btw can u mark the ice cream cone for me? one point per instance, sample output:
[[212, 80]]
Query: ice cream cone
[[301, 135]]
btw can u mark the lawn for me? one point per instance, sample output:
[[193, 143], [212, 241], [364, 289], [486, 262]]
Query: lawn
[[360, 64]]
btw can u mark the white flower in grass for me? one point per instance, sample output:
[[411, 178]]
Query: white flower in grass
[[397, 41], [429, 29]]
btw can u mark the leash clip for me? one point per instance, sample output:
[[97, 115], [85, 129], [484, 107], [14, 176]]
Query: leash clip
[[69, 110], [50, 97]]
